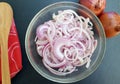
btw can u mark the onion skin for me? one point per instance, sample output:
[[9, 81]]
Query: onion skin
[[96, 6], [111, 23]]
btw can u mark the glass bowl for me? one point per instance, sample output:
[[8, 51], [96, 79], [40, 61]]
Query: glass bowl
[[46, 14]]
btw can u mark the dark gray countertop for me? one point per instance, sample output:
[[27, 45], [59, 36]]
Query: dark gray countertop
[[107, 73]]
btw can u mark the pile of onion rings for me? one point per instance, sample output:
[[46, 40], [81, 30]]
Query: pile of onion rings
[[65, 42]]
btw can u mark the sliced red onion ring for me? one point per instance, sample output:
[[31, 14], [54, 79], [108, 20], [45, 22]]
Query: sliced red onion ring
[[50, 59], [59, 43], [57, 72]]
